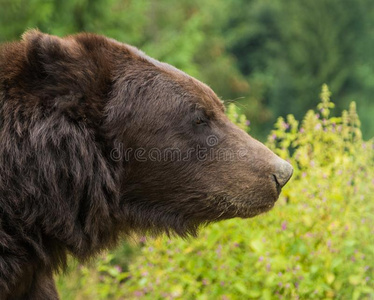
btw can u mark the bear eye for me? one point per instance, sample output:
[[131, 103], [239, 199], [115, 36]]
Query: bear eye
[[199, 121]]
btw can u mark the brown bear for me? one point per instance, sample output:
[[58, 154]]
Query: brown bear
[[97, 141]]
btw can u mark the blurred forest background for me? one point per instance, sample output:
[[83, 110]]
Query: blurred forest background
[[269, 56]]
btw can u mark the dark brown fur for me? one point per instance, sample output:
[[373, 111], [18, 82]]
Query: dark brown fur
[[65, 106]]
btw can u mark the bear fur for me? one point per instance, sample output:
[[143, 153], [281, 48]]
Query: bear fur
[[69, 109]]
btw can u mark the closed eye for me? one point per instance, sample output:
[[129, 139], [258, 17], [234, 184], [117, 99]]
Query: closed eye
[[199, 121]]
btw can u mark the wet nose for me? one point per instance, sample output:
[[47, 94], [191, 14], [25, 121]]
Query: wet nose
[[283, 172]]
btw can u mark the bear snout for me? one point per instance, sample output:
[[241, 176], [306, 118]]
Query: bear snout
[[282, 172]]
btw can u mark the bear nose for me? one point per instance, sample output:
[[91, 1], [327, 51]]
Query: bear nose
[[283, 172]]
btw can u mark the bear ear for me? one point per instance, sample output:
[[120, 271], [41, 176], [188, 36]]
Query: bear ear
[[44, 52]]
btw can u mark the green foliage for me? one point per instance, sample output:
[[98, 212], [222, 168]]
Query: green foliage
[[238, 118], [99, 279], [317, 243], [288, 49]]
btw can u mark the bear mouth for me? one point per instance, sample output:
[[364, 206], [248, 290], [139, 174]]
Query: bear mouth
[[248, 209], [262, 208], [277, 186], [252, 212]]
